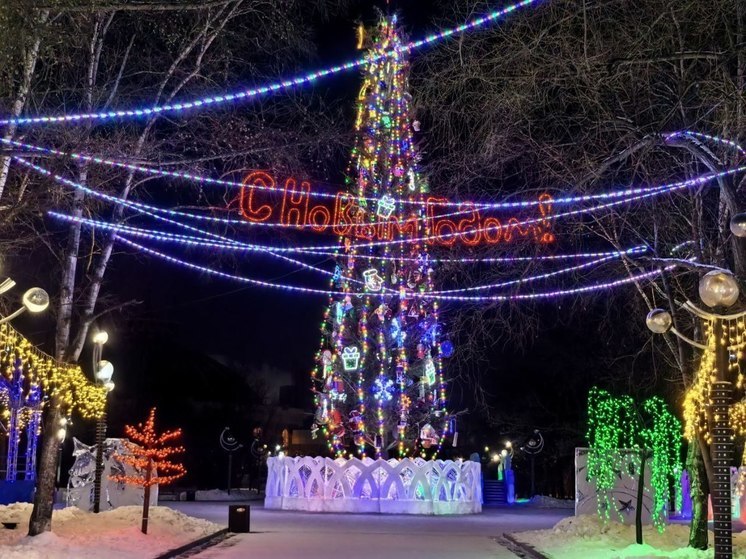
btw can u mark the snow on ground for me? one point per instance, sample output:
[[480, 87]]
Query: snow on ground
[[588, 536], [111, 534]]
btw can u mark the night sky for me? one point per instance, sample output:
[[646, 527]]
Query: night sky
[[185, 317]]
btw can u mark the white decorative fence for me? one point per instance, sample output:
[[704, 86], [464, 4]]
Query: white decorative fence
[[408, 486]]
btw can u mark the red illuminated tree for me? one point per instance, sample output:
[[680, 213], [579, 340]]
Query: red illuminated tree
[[149, 455]]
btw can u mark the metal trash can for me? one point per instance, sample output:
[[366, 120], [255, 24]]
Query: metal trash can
[[239, 518]]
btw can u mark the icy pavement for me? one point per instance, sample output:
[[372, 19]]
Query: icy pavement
[[290, 535]]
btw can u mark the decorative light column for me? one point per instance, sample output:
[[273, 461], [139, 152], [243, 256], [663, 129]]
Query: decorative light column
[[718, 289], [104, 372], [22, 395]]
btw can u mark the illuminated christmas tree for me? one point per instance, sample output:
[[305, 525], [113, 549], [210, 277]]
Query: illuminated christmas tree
[[149, 455], [378, 381]]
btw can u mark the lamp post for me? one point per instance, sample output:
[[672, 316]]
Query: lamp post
[[718, 290], [104, 371], [229, 444], [533, 446], [35, 300]]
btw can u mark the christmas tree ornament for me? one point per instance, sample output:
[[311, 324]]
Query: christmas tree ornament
[[373, 281], [429, 372], [385, 207], [446, 348], [351, 358], [383, 389]]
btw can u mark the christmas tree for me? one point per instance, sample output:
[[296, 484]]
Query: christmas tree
[[149, 454], [378, 381]]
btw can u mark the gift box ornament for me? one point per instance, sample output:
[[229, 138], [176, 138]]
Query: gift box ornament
[[350, 358]]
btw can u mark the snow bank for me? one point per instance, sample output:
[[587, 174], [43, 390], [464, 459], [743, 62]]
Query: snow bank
[[113, 534], [587, 536]]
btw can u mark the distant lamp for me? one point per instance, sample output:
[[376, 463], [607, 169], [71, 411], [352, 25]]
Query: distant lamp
[[503, 453], [61, 434], [659, 321], [105, 371], [508, 444], [100, 337], [718, 288], [35, 300], [738, 225], [495, 457], [109, 386]]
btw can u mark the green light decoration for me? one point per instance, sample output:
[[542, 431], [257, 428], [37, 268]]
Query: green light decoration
[[616, 423]]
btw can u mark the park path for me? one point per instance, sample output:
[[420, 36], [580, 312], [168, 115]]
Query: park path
[[294, 535]]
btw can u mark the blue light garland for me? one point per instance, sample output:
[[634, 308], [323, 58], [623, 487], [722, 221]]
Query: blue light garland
[[523, 204], [151, 210], [217, 100]]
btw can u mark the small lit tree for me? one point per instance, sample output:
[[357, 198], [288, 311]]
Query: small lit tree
[[616, 423], [149, 455]]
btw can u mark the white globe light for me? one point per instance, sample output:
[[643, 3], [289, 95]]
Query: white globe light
[[105, 371], [35, 300], [100, 337], [109, 386], [659, 321], [61, 434], [738, 225], [718, 288]]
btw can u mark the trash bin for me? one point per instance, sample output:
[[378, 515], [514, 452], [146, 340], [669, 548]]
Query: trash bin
[[239, 518]]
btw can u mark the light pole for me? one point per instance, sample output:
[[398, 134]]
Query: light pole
[[533, 446], [718, 290], [104, 371], [229, 444], [61, 436]]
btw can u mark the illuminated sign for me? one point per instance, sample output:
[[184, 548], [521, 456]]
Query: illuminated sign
[[441, 224]]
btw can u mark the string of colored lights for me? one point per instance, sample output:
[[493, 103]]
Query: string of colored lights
[[467, 205], [127, 230], [231, 244], [311, 77], [146, 208], [619, 433], [545, 275], [702, 136], [464, 298], [190, 240]]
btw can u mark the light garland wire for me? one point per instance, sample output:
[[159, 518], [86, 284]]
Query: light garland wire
[[471, 205], [463, 298], [126, 230], [239, 246], [311, 77], [144, 208]]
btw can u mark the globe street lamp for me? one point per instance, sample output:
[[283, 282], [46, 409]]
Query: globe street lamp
[[533, 446], [35, 300], [103, 372], [718, 289]]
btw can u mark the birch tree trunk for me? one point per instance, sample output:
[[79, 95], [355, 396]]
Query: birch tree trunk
[[29, 65]]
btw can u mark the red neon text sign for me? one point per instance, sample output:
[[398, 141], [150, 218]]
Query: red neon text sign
[[441, 224]]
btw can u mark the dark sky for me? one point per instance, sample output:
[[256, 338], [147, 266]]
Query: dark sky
[[251, 328]]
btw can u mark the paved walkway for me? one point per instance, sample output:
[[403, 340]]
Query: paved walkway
[[294, 535]]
